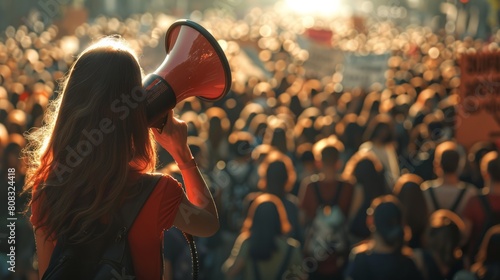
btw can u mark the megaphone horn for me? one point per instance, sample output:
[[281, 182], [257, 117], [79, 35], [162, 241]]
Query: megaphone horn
[[195, 66]]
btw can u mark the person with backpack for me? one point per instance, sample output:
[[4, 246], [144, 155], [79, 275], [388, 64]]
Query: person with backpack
[[447, 191], [483, 211], [328, 204], [97, 212], [441, 256], [384, 256], [263, 251]]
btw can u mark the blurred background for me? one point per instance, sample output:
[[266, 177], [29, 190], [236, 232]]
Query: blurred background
[[391, 80], [474, 18]]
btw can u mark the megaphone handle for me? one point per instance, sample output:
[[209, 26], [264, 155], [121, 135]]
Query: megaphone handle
[[160, 99]]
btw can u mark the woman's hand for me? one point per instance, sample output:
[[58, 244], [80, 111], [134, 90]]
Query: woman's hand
[[174, 139]]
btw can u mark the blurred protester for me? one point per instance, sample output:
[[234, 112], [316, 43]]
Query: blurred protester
[[487, 266], [415, 211], [424, 105], [423, 141], [368, 173], [350, 133], [262, 250], [329, 205], [441, 257], [483, 210], [475, 154], [305, 165], [218, 130], [280, 136], [277, 177], [384, 255], [447, 191], [379, 139], [239, 171]]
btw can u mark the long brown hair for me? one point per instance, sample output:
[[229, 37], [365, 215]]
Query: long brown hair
[[94, 138]]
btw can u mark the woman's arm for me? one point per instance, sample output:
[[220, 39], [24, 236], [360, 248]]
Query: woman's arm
[[197, 213]]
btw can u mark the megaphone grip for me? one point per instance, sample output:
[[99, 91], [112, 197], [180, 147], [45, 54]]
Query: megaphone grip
[[160, 99]]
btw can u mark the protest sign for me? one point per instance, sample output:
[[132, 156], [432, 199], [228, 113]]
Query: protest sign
[[478, 117]]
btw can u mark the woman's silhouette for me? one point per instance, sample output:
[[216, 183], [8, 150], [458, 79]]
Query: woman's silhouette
[[95, 145]]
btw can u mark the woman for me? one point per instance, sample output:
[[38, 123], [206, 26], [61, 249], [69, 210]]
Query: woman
[[379, 139], [95, 146], [415, 212], [262, 251], [277, 177], [384, 256], [368, 173]]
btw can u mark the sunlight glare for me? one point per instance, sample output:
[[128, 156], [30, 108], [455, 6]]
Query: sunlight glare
[[319, 7]]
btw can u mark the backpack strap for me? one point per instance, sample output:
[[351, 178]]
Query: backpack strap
[[459, 198], [131, 208], [129, 212], [285, 263], [338, 192], [434, 199], [318, 193]]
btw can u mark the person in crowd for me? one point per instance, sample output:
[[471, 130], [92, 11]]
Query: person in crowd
[[240, 179], [319, 196], [77, 187], [384, 255], [350, 133], [424, 105], [305, 164], [218, 130], [423, 141], [448, 191], [483, 211], [262, 250], [420, 90], [277, 177], [487, 266], [279, 135], [368, 173], [379, 138], [258, 127], [415, 211], [474, 156], [441, 257]]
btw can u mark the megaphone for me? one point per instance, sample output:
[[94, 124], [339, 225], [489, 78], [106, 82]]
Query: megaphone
[[195, 66]]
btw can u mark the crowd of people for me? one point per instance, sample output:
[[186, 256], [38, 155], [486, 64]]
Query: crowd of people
[[312, 180]]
